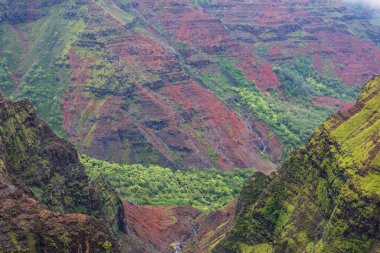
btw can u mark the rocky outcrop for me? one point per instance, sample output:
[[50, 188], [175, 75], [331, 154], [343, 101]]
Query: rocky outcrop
[[325, 197], [42, 181], [160, 227], [27, 226]]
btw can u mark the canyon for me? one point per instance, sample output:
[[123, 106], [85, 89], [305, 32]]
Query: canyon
[[189, 85], [172, 83]]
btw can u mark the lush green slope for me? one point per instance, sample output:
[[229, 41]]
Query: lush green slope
[[291, 119], [153, 185], [326, 196], [33, 53]]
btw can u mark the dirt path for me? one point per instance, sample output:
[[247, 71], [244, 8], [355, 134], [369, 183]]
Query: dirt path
[[15, 79], [25, 43], [24, 39]]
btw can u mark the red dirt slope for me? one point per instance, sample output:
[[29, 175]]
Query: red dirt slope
[[140, 76], [157, 113], [333, 103], [160, 227], [325, 31]]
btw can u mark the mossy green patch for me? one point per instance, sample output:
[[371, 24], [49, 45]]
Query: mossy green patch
[[205, 190], [262, 248]]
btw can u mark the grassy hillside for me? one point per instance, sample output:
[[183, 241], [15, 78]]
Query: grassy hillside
[[325, 197], [32, 59]]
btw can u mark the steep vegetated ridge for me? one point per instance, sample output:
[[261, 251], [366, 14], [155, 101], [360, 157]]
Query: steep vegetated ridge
[[326, 196], [185, 83], [48, 204]]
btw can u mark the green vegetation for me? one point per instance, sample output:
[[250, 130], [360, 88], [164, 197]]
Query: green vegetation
[[106, 246], [261, 49], [6, 82], [203, 3], [290, 120], [37, 53], [34, 52], [205, 190], [33, 156], [332, 183], [300, 80], [260, 248]]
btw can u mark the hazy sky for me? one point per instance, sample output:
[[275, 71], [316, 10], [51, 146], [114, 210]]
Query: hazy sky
[[372, 3]]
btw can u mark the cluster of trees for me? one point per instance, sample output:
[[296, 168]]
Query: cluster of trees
[[300, 80], [289, 119], [293, 117], [205, 190], [266, 110], [6, 82], [40, 87]]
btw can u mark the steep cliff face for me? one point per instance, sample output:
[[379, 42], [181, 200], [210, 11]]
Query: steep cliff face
[[41, 176], [185, 83], [326, 196], [27, 226]]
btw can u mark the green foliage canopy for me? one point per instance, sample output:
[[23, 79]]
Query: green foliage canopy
[[153, 185]]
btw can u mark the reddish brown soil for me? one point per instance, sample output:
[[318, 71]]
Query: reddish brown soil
[[226, 131], [80, 67], [333, 103], [334, 48], [211, 228], [159, 227], [161, 108], [204, 34], [24, 40], [205, 134], [15, 79], [353, 60]]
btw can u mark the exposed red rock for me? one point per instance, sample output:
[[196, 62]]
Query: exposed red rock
[[159, 228], [210, 229], [206, 36], [136, 73], [43, 186], [333, 103], [290, 28], [205, 134], [28, 225]]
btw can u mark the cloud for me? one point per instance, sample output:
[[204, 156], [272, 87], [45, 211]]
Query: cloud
[[371, 3]]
